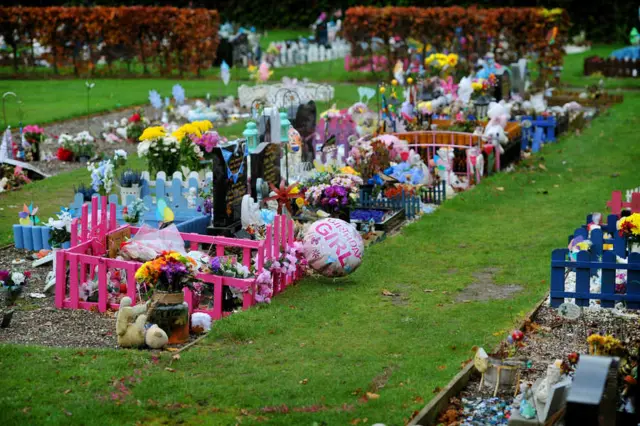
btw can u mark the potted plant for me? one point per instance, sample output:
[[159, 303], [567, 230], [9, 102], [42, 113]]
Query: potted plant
[[135, 126], [13, 283], [161, 150], [130, 181], [134, 212], [228, 266], [336, 197], [83, 147], [86, 191], [164, 278]]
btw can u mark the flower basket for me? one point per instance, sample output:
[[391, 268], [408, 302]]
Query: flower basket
[[170, 313], [134, 190]]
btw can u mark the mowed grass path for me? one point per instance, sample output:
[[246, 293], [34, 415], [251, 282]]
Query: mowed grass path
[[311, 355]]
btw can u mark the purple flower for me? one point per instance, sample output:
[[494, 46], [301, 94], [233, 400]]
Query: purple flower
[[215, 264], [340, 191], [4, 275], [174, 269]]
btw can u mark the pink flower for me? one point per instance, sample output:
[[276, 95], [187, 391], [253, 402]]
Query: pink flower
[[33, 129]]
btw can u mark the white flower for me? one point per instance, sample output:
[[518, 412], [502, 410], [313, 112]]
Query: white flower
[[17, 278], [65, 138], [124, 121], [173, 150], [122, 132], [143, 148], [120, 153], [83, 137]]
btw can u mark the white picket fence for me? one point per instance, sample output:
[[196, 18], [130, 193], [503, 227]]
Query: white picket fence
[[299, 53]]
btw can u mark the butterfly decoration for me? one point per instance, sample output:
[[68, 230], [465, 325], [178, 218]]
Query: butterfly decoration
[[89, 85], [155, 99], [28, 215], [284, 195], [164, 214]]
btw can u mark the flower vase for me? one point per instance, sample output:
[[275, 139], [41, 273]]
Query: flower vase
[[342, 214], [135, 190], [171, 314]]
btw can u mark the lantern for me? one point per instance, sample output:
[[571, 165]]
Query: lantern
[[481, 106], [284, 127], [251, 135]]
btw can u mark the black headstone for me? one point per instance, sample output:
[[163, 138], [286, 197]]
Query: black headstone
[[592, 398], [227, 191], [305, 124], [265, 164]]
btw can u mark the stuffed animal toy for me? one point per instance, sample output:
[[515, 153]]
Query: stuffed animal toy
[[475, 162], [494, 134], [132, 330], [155, 337], [130, 324]]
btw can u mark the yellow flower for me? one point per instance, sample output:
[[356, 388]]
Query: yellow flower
[[186, 130], [476, 86], [452, 60], [153, 133], [203, 125], [252, 69], [429, 59], [300, 202], [349, 171]]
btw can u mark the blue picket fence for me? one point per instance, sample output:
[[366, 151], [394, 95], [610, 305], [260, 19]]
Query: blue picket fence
[[599, 260], [34, 238], [410, 204], [542, 130], [584, 266], [434, 194]]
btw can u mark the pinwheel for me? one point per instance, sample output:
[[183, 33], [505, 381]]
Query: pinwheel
[[163, 213], [28, 215], [284, 195]]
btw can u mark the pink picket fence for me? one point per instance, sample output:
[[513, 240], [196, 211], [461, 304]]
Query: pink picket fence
[[85, 259]]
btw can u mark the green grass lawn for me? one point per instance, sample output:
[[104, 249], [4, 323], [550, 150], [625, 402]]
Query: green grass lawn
[[312, 354], [45, 101], [573, 75]]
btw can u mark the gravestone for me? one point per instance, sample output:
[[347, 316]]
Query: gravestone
[[519, 76], [592, 397], [265, 165], [305, 124], [229, 186]]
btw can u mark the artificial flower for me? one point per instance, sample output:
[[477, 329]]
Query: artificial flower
[[153, 133]]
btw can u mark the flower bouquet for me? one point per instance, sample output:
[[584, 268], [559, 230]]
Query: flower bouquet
[[135, 125], [12, 177], [101, 176], [160, 149], [33, 136], [60, 229], [228, 266], [134, 211], [629, 228], [164, 278], [13, 283], [190, 152], [79, 147], [438, 64]]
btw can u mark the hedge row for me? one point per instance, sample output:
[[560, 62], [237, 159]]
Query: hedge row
[[608, 21], [525, 29], [166, 38]]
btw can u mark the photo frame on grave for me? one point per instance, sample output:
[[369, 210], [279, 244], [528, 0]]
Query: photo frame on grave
[[229, 184]]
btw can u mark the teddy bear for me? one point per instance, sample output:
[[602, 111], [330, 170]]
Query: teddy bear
[[494, 134], [131, 328]]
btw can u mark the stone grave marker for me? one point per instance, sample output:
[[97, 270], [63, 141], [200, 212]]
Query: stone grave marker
[[265, 165], [229, 186]]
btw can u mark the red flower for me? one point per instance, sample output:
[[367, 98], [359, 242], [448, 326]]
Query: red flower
[[27, 274], [404, 155], [134, 118], [64, 154]]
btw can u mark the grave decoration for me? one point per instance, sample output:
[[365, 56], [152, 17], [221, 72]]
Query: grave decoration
[[163, 279], [265, 165], [132, 330], [13, 284], [331, 194], [130, 182], [80, 147], [333, 247], [12, 177], [33, 136], [274, 95], [229, 185]]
